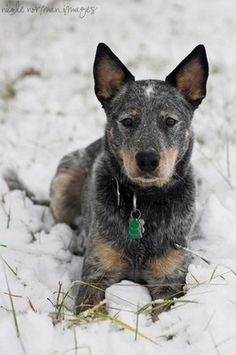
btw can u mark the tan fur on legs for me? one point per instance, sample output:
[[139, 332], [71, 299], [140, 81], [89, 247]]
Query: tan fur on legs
[[66, 193]]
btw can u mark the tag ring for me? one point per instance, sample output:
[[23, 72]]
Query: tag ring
[[135, 214]]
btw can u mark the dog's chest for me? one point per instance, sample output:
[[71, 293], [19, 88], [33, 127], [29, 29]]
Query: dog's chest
[[165, 216], [150, 243]]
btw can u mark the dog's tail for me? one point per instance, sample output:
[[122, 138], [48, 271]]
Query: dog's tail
[[15, 183]]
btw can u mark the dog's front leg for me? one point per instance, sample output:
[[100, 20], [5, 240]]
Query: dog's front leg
[[164, 291], [165, 278], [104, 265], [90, 293]]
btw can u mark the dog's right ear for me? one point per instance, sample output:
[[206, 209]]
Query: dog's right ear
[[110, 74]]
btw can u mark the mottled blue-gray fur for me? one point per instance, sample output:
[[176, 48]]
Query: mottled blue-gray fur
[[142, 116]]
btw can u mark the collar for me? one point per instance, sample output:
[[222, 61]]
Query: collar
[[136, 223]]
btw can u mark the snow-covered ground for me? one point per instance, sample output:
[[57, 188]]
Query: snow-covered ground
[[55, 111]]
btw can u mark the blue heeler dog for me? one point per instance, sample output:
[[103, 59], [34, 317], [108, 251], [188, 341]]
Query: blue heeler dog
[[134, 189]]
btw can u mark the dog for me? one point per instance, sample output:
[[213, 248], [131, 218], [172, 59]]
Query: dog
[[133, 190]]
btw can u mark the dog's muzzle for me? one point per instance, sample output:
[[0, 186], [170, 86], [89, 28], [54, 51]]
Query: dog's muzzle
[[147, 161]]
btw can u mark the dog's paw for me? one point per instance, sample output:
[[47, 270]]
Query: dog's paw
[[158, 309]]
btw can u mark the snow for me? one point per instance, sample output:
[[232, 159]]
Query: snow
[[56, 112]]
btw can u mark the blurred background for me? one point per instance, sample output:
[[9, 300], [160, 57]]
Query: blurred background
[[47, 102]]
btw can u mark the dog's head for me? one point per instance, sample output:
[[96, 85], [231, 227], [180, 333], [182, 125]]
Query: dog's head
[[149, 121]]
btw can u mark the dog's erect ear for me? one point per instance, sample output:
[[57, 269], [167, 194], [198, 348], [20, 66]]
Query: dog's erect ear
[[109, 73], [190, 76]]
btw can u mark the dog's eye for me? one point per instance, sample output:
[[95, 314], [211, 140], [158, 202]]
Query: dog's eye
[[127, 122], [170, 121]]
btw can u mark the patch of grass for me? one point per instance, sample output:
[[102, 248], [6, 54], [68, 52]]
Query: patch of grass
[[94, 285], [136, 327], [194, 277], [78, 348], [214, 275], [8, 91], [75, 341], [9, 267], [8, 218], [214, 272], [209, 320], [7, 214], [60, 307], [13, 271], [91, 315], [13, 310], [12, 304], [195, 253], [94, 313], [125, 326], [225, 178], [8, 86], [31, 305], [163, 303]]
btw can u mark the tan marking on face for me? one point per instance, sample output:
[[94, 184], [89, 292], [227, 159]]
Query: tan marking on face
[[66, 192], [129, 162], [162, 174], [186, 136], [163, 113], [166, 265], [167, 164], [134, 112], [110, 259]]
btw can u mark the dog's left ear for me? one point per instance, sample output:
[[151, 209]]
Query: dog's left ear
[[110, 74], [190, 76]]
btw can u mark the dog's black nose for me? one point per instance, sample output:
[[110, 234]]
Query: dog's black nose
[[147, 161]]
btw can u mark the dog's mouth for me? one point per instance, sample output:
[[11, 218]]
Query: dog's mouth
[[148, 181], [146, 178], [158, 177]]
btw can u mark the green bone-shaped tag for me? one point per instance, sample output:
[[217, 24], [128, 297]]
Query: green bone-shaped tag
[[135, 229]]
